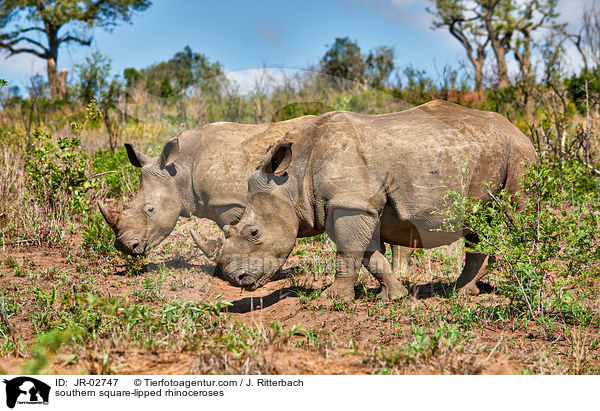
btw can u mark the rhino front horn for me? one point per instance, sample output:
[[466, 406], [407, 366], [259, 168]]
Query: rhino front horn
[[210, 248], [108, 215]]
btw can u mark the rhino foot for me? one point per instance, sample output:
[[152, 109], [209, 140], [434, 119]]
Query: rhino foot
[[468, 289], [342, 293], [395, 292]]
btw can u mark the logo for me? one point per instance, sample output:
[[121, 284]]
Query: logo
[[26, 390]]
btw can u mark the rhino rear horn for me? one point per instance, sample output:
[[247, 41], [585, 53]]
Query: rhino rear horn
[[211, 248], [108, 215]]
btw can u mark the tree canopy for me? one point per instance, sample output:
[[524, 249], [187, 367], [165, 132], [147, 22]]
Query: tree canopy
[[345, 60], [167, 78], [40, 27]]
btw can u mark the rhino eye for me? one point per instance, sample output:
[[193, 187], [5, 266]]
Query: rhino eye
[[254, 232], [150, 209]]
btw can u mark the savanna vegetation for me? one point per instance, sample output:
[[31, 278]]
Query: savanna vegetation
[[70, 303]]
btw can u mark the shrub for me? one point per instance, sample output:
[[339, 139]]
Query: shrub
[[56, 171], [121, 177], [545, 244], [97, 235]]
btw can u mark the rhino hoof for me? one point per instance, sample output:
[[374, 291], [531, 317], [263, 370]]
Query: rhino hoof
[[469, 289], [341, 294], [395, 293]]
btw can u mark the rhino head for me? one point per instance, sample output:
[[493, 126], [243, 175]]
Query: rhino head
[[153, 213], [256, 247]]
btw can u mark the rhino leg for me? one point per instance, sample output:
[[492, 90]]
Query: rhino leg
[[352, 232], [401, 261], [472, 272], [391, 288]]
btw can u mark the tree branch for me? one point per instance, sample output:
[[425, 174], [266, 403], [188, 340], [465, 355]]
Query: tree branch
[[27, 39], [65, 39], [92, 10], [21, 31], [45, 55]]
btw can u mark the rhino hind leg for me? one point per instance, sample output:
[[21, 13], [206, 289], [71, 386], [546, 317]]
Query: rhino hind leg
[[472, 272], [391, 288], [401, 261]]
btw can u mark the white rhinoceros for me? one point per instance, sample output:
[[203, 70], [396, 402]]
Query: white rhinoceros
[[365, 179]]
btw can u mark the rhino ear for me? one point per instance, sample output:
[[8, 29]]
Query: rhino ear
[[137, 158], [170, 152], [278, 159]]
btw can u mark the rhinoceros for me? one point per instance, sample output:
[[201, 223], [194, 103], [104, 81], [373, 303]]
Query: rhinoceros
[[202, 173], [199, 172], [365, 179]]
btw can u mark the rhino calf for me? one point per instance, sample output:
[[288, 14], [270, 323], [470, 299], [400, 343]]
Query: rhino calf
[[365, 179]]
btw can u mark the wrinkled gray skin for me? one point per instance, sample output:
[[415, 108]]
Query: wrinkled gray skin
[[366, 179], [199, 172]]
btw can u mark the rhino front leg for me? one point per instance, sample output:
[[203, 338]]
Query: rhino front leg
[[352, 232], [391, 288]]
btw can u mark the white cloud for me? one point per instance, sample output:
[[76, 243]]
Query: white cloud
[[263, 78], [571, 11], [21, 65]]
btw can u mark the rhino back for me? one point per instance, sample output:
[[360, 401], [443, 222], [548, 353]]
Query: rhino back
[[403, 163], [221, 156]]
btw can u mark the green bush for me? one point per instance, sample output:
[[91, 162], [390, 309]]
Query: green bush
[[56, 168], [121, 177], [97, 235], [56, 171], [545, 239]]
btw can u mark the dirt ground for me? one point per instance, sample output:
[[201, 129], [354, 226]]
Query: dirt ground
[[328, 341]]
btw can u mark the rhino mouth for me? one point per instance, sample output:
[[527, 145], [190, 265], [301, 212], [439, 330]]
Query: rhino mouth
[[134, 248], [257, 283], [250, 281]]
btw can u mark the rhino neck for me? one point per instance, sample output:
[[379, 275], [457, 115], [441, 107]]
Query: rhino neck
[[309, 209], [185, 189]]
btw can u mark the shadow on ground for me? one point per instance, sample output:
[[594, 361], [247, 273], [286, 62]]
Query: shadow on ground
[[421, 292], [174, 263]]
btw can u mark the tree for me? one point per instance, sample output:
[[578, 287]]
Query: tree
[[168, 78], [344, 60], [591, 33], [93, 74], [467, 29], [379, 65], [95, 82], [174, 80], [531, 16], [40, 27], [508, 25]]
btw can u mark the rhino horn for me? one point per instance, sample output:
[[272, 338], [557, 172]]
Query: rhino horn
[[108, 215], [211, 248]]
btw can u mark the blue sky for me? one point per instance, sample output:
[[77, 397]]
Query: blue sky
[[288, 34]]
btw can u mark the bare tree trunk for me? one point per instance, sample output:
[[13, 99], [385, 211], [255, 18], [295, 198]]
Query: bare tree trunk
[[57, 81], [500, 45], [478, 64], [111, 129], [501, 67]]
